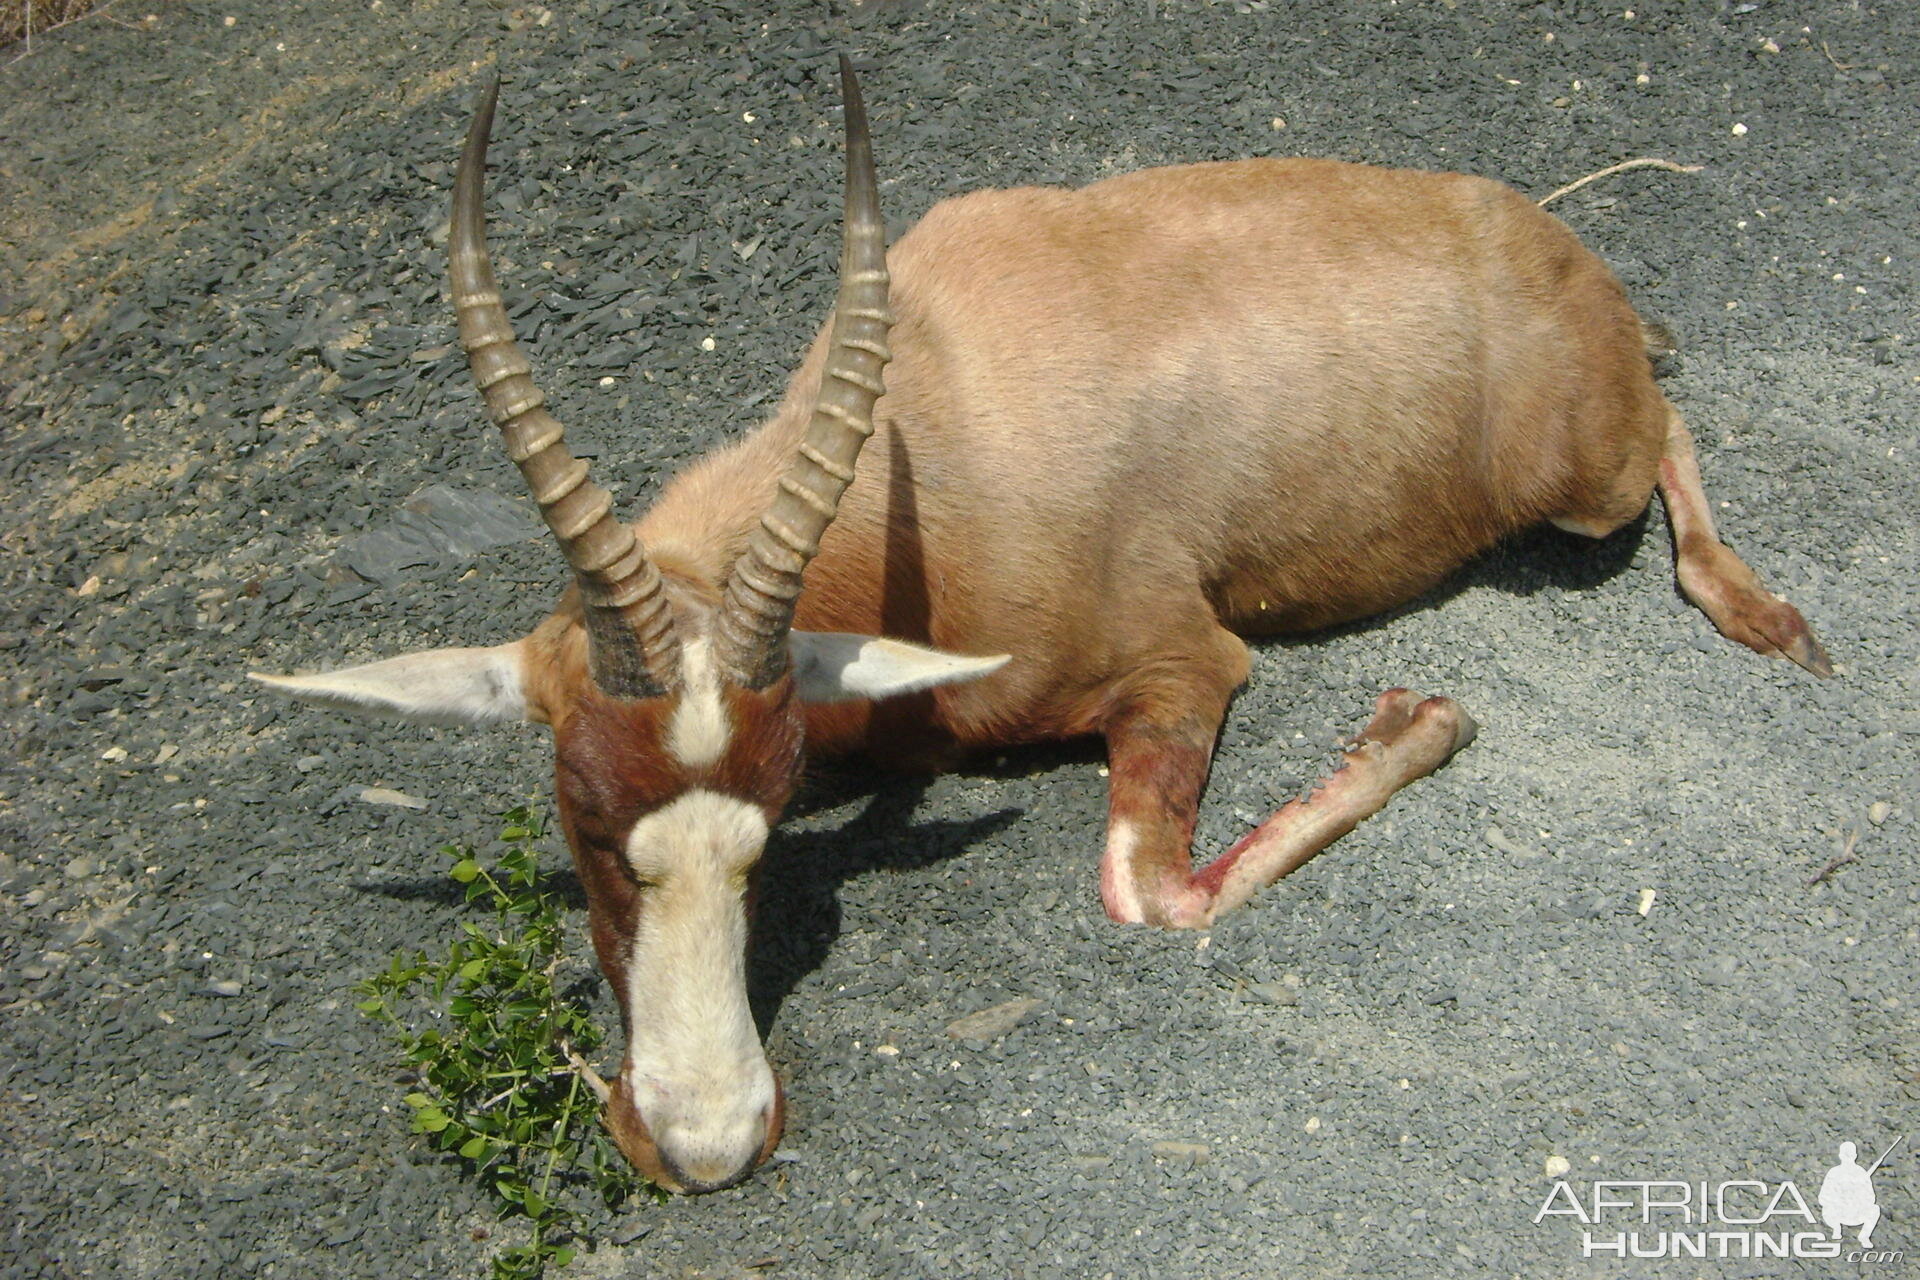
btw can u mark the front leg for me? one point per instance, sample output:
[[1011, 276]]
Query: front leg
[[1159, 769]]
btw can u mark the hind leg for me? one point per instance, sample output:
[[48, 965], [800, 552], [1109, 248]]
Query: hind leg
[[1716, 579], [1658, 453]]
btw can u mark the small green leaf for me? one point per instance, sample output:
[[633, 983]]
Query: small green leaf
[[472, 969], [419, 1100], [473, 1148], [465, 871]]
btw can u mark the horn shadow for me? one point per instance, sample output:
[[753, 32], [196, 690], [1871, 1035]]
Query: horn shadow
[[797, 916]]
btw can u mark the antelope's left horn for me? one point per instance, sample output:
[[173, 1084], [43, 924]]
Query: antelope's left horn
[[756, 611]]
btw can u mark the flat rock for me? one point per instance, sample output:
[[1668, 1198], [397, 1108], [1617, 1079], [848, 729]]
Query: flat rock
[[1187, 1153], [439, 525], [387, 796], [994, 1022]]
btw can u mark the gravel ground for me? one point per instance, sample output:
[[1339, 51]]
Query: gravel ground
[[226, 364]]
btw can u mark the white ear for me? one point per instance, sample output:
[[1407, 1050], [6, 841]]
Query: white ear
[[831, 666], [438, 686]]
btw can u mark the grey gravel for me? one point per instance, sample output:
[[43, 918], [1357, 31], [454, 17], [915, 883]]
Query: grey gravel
[[226, 357]]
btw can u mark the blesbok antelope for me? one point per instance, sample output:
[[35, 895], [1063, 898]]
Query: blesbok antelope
[[1125, 426]]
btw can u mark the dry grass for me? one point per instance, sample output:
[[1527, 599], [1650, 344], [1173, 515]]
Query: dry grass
[[21, 20]]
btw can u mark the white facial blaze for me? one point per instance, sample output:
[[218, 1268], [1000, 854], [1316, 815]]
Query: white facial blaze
[[694, 1066], [699, 732]]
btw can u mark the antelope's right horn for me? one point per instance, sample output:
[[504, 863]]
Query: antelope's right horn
[[757, 610]]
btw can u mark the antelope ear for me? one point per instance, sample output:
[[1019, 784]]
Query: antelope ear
[[437, 686], [831, 666]]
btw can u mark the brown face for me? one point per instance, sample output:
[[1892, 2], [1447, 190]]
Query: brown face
[[666, 803]]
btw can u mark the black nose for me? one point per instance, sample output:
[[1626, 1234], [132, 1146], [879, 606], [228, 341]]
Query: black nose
[[694, 1186]]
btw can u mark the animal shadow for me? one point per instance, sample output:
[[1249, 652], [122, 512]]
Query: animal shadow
[[797, 915]]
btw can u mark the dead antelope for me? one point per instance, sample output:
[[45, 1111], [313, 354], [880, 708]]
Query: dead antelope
[[1124, 427]]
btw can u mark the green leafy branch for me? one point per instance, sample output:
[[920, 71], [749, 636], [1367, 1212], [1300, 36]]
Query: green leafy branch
[[504, 1082]]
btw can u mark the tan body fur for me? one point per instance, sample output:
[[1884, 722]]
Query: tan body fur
[[1278, 394]]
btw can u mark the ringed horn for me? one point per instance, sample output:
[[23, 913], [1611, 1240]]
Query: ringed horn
[[756, 611], [634, 652]]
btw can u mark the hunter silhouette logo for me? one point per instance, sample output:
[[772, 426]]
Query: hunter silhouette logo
[[1735, 1218], [1846, 1194]]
